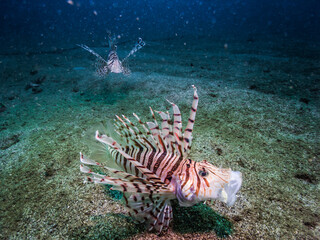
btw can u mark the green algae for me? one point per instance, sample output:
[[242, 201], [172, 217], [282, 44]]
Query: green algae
[[114, 194], [200, 218]]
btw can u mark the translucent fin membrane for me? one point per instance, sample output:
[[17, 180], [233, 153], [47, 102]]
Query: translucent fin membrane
[[228, 193]]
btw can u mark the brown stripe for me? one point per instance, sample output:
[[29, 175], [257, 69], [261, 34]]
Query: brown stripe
[[174, 168], [151, 159], [198, 179], [168, 161], [125, 164], [187, 176], [116, 157], [157, 165], [153, 150], [152, 215], [206, 181], [138, 190], [124, 187], [138, 155], [161, 142], [150, 196]]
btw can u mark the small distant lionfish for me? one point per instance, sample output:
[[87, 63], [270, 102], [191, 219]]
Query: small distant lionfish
[[155, 168], [113, 63]]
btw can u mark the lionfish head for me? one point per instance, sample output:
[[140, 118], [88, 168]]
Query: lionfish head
[[203, 181]]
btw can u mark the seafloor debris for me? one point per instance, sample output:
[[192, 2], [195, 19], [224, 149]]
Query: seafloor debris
[[33, 72], [36, 85], [113, 64], [2, 107], [8, 141], [304, 100]]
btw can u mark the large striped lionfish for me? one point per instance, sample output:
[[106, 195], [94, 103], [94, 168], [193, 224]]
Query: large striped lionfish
[[113, 64], [155, 168]]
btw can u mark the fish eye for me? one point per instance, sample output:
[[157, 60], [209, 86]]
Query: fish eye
[[203, 173]]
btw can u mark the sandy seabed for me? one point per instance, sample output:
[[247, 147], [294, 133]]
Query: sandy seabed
[[258, 113]]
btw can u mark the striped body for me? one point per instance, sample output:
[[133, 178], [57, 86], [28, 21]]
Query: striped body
[[155, 168], [114, 64]]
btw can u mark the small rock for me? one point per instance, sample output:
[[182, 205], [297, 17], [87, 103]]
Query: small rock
[[36, 90], [237, 218], [49, 172], [212, 95], [31, 85], [306, 177], [2, 107], [252, 87], [40, 80], [9, 141], [219, 151], [11, 97], [310, 224], [304, 100], [75, 89], [33, 72]]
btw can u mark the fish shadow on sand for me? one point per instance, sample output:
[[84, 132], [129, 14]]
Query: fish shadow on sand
[[199, 218], [195, 219]]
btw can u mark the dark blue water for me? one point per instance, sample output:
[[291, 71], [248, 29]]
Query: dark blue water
[[55, 24]]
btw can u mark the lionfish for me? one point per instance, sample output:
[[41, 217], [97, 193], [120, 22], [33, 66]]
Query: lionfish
[[155, 168], [113, 64]]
